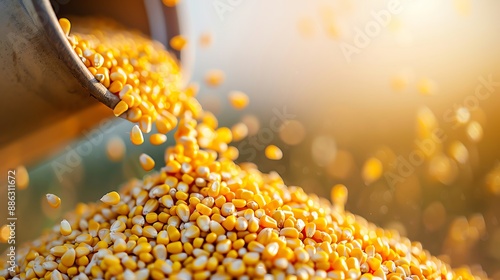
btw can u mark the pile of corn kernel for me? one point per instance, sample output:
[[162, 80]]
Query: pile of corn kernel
[[202, 216]]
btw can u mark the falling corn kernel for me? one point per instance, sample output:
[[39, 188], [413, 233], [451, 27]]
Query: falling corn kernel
[[120, 108], [146, 162], [238, 99], [292, 132], [65, 25], [214, 77], [170, 3], [157, 138], [178, 42], [273, 152], [136, 136], [115, 149], [111, 198], [53, 200], [22, 177], [339, 195], [372, 170], [65, 228], [239, 131], [4, 233]]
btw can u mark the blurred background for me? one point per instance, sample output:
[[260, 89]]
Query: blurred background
[[398, 100]]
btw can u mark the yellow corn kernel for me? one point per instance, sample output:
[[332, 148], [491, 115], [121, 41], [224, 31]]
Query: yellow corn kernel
[[158, 139], [111, 198], [175, 247], [214, 77], [68, 259], [115, 149], [65, 228], [147, 163], [136, 136], [178, 42], [65, 25], [170, 3], [116, 87], [273, 152], [268, 222], [53, 200], [238, 99], [120, 108]]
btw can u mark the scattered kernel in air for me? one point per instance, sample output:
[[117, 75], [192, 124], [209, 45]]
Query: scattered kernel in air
[[115, 149], [170, 3], [372, 170], [157, 139], [4, 233], [214, 77], [111, 198], [273, 152], [146, 162], [178, 42], [339, 194], [53, 200], [136, 136], [292, 132], [206, 39], [22, 177], [239, 100], [427, 86], [458, 152], [474, 131], [239, 131]]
